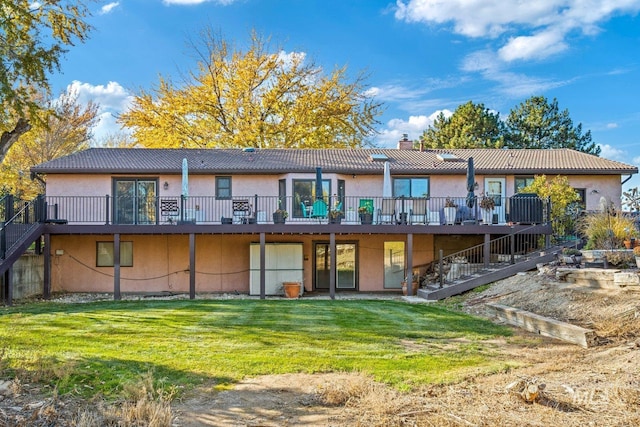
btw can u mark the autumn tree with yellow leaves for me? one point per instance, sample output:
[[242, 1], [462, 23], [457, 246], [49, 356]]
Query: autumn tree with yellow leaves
[[253, 98], [65, 127], [33, 37]]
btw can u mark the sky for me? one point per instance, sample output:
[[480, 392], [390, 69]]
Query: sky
[[421, 57]]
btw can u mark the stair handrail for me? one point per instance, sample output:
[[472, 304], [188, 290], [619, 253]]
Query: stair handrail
[[30, 213], [483, 251]]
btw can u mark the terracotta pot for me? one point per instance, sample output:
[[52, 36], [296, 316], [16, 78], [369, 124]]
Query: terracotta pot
[[291, 289], [414, 288]]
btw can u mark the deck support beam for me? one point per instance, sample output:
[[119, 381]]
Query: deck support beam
[[116, 267], [409, 277], [332, 269], [192, 266], [46, 279], [263, 274]]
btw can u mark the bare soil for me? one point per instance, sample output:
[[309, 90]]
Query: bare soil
[[598, 386]]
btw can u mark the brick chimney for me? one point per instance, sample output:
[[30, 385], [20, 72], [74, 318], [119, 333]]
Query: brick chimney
[[405, 143]]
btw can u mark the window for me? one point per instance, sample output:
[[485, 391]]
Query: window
[[223, 187], [411, 187], [394, 265], [582, 194], [304, 193], [522, 181], [104, 254]]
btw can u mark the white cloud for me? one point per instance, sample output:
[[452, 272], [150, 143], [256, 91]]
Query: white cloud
[[112, 99], [107, 8], [538, 46], [612, 153], [413, 127], [612, 125], [542, 24]]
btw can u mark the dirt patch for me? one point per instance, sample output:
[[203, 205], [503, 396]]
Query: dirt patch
[[596, 386]]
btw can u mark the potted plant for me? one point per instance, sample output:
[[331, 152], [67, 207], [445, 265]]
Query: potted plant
[[291, 289], [487, 204], [414, 286], [571, 256], [335, 216], [366, 216], [450, 209], [279, 216], [636, 252]]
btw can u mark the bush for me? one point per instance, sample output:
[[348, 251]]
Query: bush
[[621, 259], [636, 251], [606, 231]]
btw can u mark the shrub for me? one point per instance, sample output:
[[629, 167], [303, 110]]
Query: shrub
[[636, 251], [604, 230], [622, 259]]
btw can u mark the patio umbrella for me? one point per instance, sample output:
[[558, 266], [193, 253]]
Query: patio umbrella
[[386, 183], [319, 194], [471, 184], [185, 178]]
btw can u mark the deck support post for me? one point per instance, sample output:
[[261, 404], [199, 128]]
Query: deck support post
[[486, 250], [192, 266], [46, 279], [409, 278], [116, 267], [263, 275], [333, 269]]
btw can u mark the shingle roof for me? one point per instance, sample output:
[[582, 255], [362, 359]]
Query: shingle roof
[[237, 161]]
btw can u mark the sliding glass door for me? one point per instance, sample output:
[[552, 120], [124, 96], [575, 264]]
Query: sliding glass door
[[346, 267], [135, 201]]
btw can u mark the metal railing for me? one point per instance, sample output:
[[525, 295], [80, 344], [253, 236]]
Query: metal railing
[[259, 209], [491, 255], [24, 217]]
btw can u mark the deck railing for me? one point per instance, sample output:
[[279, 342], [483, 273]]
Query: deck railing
[[259, 209], [491, 255], [20, 218]]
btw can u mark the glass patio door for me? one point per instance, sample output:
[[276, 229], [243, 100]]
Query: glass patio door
[[134, 201], [496, 188], [346, 268]]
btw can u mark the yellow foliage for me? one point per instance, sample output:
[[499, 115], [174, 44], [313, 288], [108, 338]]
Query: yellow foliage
[[65, 128], [253, 99]]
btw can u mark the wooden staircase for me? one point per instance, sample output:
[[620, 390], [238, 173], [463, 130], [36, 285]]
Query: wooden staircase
[[483, 277]]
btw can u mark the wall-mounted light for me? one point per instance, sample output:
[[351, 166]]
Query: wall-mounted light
[[353, 176], [165, 185], [594, 191]]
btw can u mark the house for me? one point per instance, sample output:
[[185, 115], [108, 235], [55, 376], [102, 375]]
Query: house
[[202, 220]]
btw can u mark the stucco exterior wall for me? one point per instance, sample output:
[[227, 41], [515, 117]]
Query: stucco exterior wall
[[161, 263]]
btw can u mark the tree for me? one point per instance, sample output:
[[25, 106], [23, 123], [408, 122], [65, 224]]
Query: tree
[[33, 37], [253, 99], [537, 124], [562, 197], [470, 126], [65, 128]]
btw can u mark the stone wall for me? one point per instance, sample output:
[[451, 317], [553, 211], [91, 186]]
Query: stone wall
[[27, 276]]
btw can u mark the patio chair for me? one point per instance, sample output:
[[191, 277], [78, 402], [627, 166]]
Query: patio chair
[[387, 213], [305, 210], [319, 210], [241, 210], [420, 211]]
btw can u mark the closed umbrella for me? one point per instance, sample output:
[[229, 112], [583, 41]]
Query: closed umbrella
[[387, 191], [185, 178], [471, 184], [319, 194]]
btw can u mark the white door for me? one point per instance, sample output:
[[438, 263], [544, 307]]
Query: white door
[[496, 188]]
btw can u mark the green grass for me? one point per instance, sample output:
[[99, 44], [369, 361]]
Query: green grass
[[99, 347]]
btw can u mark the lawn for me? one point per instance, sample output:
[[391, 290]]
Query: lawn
[[100, 347]]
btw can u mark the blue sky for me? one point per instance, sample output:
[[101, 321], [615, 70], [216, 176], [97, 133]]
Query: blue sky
[[421, 56]]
